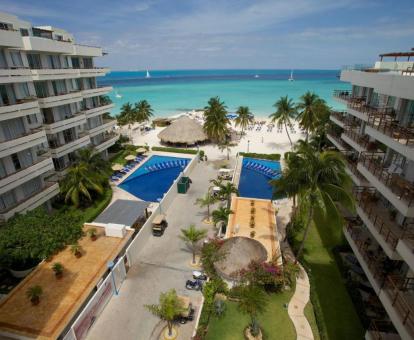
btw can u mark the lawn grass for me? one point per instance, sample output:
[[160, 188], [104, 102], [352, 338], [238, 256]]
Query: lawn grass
[[120, 157], [275, 322], [337, 317], [310, 315]]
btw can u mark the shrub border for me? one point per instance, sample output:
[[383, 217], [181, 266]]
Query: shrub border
[[270, 157], [175, 150]]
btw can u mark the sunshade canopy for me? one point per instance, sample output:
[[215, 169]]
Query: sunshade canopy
[[183, 131]]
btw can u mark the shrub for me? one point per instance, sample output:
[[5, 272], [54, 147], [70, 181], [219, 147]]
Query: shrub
[[271, 157], [58, 269], [76, 250], [176, 150], [34, 293], [209, 255], [92, 233], [252, 234]]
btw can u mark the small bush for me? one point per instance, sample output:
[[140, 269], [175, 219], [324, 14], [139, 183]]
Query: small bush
[[270, 157], [176, 150]]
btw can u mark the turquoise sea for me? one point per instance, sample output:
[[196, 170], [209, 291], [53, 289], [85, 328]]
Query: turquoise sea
[[171, 92]]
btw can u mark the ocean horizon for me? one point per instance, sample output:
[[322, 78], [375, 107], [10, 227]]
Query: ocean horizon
[[174, 91]]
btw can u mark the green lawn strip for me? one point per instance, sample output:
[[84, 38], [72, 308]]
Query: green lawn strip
[[119, 157], [271, 157], [333, 307], [275, 322], [310, 316], [175, 150]]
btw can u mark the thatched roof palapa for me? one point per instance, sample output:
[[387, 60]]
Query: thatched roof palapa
[[183, 131]]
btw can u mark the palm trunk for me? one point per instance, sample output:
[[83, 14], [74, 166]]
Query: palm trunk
[[305, 235], [169, 324], [208, 211], [288, 135], [194, 254]]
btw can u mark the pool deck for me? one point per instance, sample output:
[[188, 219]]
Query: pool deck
[[61, 298], [265, 224]]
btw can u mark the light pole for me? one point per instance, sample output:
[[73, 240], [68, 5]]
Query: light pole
[[248, 145]]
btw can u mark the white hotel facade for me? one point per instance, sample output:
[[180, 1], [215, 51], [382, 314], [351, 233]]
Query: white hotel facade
[[376, 135], [50, 107]]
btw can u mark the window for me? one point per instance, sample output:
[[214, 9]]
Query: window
[[34, 61], [13, 128], [54, 61], [7, 200], [4, 26], [75, 62], [16, 59], [24, 32], [32, 119], [32, 186], [58, 37], [16, 161], [59, 87], [87, 63], [3, 62], [24, 90], [41, 89]]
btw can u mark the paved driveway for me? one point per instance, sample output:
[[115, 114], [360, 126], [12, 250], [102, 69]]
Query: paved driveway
[[164, 264]]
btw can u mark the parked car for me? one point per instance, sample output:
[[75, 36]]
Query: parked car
[[199, 275], [159, 224], [188, 313], [194, 285]]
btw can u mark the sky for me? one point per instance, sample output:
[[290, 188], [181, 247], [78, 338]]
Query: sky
[[236, 34]]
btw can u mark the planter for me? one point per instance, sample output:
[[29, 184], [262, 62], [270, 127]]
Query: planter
[[165, 336], [19, 274], [249, 336], [35, 300], [59, 275], [78, 254], [94, 238]]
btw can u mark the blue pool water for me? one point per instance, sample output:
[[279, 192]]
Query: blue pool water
[[255, 176], [153, 179]]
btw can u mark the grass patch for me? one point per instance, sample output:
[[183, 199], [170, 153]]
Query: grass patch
[[310, 316], [119, 157], [270, 157], [91, 212], [275, 322], [335, 313], [176, 150]]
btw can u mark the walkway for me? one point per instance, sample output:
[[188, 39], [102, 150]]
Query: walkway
[[164, 264], [301, 296]]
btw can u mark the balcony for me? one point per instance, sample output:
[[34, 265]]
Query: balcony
[[41, 166], [11, 38], [48, 191], [107, 125], [335, 138], [21, 108], [58, 149], [60, 99], [93, 72], [358, 142], [87, 51], [392, 290], [342, 95], [351, 158], [108, 141], [339, 118], [97, 111], [22, 142], [15, 75], [54, 73], [384, 127], [381, 330], [388, 180], [76, 119], [381, 221], [41, 44], [405, 248], [98, 91]]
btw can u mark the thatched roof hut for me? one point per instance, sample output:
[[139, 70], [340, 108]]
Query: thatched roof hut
[[184, 130], [238, 252]]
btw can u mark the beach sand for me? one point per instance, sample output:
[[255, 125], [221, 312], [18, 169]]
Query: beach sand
[[253, 141]]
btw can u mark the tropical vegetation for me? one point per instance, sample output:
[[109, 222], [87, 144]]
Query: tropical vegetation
[[221, 215], [168, 309], [226, 191], [215, 120], [192, 236], [244, 118], [206, 201], [139, 112], [285, 112]]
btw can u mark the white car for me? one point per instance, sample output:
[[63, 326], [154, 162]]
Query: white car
[[199, 275]]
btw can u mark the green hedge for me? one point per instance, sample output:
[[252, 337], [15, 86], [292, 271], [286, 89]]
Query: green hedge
[[176, 150], [270, 157]]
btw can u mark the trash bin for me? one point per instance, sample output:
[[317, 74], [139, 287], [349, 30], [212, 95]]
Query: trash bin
[[183, 185]]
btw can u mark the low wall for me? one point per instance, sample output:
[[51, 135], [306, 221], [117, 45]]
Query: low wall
[[133, 250]]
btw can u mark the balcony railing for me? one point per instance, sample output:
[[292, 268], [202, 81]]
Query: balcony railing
[[342, 94], [381, 329], [361, 140], [39, 159], [380, 217], [54, 144], [388, 175], [351, 158], [397, 291], [340, 115], [386, 124]]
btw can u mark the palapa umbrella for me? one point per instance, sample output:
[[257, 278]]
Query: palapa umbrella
[[130, 158], [183, 131], [117, 167], [141, 150]]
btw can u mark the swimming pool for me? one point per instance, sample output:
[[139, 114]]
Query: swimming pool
[[255, 176], [155, 177]]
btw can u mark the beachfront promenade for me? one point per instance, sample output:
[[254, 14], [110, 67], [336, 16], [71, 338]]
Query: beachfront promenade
[[164, 264]]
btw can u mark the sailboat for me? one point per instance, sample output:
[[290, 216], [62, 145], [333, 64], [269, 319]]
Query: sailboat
[[117, 95], [148, 75], [291, 76], [256, 76]]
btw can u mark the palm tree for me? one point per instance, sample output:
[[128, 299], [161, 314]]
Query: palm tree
[[144, 111], [285, 112], [215, 120], [322, 182], [127, 114], [169, 308], [244, 117], [252, 300], [78, 183], [310, 108], [226, 190], [191, 236], [221, 215], [206, 201], [226, 146], [95, 162]]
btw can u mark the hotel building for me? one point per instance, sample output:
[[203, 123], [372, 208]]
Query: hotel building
[[376, 135], [50, 107]]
